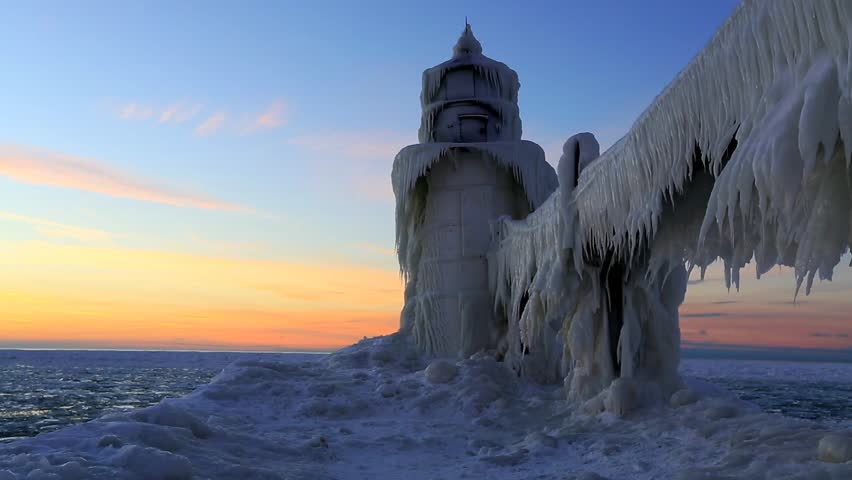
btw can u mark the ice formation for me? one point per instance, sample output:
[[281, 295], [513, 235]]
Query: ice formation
[[746, 154], [470, 168], [374, 410], [766, 108]]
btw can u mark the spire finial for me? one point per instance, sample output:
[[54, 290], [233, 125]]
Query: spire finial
[[467, 44]]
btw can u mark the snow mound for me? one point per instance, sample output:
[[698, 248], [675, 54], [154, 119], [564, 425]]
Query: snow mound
[[441, 371], [331, 418], [683, 397], [835, 448]]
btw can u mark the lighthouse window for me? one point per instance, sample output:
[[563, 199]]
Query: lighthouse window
[[473, 127]]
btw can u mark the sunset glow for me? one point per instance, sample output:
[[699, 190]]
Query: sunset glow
[[215, 179], [59, 295]]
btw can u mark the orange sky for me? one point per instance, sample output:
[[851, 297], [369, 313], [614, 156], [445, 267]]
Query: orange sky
[[77, 295], [54, 294], [763, 312]]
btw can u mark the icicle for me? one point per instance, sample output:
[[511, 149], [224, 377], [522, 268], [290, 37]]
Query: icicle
[[788, 113]]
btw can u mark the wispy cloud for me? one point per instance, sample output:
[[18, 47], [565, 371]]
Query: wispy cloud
[[829, 335], [173, 113], [55, 229], [133, 111], [42, 167], [211, 124], [179, 112], [273, 117], [704, 315], [215, 119]]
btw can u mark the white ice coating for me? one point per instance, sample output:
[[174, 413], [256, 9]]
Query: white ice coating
[[466, 52], [506, 110], [498, 90], [428, 313], [777, 78], [556, 303], [746, 154], [524, 159], [470, 168]]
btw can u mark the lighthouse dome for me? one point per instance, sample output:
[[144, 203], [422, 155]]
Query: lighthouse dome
[[467, 44], [470, 97]]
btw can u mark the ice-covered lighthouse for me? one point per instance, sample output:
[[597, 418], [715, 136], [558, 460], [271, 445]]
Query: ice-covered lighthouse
[[469, 169]]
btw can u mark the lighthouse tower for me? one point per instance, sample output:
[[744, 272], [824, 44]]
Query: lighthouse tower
[[470, 168]]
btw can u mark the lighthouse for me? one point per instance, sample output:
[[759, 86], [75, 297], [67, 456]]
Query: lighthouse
[[469, 168]]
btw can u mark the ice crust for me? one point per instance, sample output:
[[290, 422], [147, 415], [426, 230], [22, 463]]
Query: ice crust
[[502, 82], [370, 411], [526, 163], [524, 159]]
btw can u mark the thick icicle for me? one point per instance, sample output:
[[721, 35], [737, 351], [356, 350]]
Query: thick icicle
[[777, 78]]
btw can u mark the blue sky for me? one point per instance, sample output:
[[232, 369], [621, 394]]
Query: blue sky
[[341, 70], [266, 130]]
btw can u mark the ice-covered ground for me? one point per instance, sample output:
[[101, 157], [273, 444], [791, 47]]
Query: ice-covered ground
[[374, 410]]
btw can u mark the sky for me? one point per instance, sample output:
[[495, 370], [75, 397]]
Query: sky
[[216, 175]]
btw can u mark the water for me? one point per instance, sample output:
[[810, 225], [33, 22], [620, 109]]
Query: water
[[811, 390], [42, 391], [40, 399], [813, 400]]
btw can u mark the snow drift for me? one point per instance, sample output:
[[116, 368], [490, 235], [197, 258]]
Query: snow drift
[[377, 410]]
